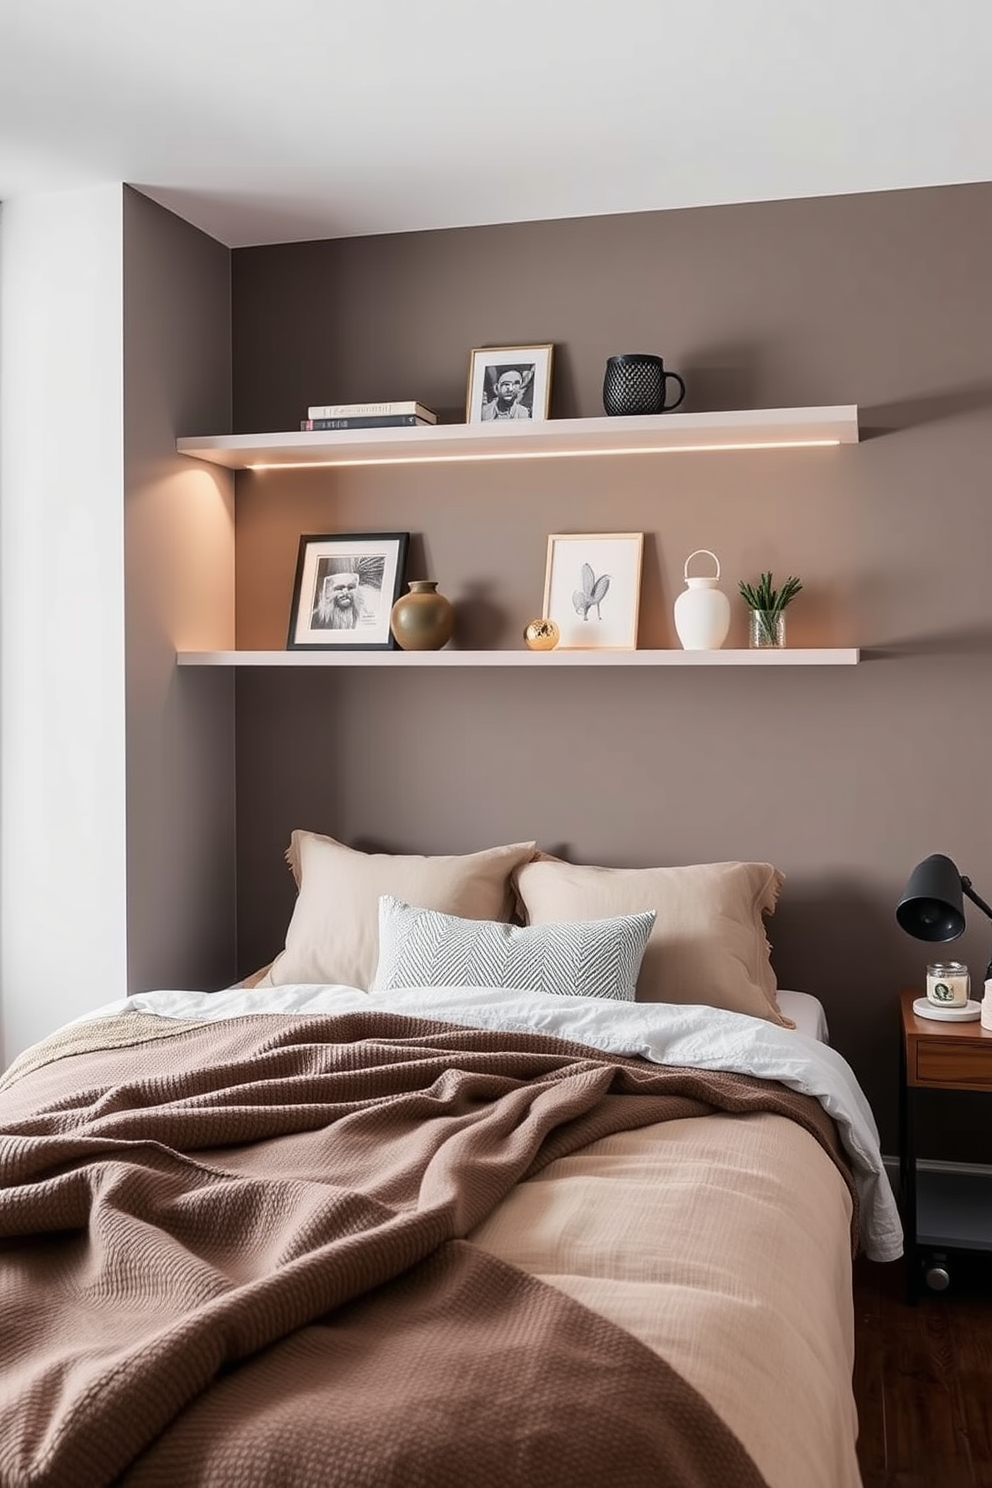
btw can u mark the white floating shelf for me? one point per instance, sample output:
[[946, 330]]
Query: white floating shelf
[[671, 433], [787, 656]]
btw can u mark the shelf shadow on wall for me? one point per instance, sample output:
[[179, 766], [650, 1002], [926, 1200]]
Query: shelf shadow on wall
[[972, 640], [878, 419], [721, 378], [480, 623]]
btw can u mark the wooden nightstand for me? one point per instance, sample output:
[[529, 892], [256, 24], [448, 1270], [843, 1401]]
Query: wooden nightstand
[[946, 1207]]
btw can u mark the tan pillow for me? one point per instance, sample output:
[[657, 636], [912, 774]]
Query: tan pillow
[[256, 977], [708, 944], [333, 935]]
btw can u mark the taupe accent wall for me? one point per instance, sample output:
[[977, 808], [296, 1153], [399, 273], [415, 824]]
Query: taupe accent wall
[[843, 777], [179, 561]]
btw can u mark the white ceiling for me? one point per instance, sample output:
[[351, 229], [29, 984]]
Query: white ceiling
[[277, 120]]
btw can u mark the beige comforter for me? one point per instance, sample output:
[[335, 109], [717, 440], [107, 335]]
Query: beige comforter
[[224, 1243], [724, 1246]]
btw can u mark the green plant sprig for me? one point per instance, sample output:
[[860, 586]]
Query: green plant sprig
[[762, 596]]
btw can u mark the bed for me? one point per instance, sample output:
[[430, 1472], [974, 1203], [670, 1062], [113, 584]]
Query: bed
[[428, 1229]]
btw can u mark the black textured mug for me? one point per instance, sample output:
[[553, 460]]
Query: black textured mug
[[636, 383]]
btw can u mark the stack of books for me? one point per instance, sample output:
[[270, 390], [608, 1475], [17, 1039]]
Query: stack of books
[[367, 416]]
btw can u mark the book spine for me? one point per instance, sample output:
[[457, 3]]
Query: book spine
[[377, 421], [370, 410]]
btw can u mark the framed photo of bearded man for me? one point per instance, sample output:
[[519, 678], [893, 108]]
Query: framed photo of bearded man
[[346, 584], [507, 384]]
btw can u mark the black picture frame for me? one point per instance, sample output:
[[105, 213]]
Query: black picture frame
[[345, 586]]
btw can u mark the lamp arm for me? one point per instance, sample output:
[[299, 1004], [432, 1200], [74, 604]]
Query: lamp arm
[[975, 898]]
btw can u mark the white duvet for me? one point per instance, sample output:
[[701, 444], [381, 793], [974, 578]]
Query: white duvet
[[664, 1033]]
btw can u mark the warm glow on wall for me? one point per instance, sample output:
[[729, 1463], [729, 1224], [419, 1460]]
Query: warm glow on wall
[[557, 454]]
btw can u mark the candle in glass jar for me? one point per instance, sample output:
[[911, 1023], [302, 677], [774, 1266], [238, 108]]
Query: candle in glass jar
[[948, 983]]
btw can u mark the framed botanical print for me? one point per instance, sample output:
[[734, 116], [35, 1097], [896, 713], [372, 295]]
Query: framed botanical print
[[592, 589]]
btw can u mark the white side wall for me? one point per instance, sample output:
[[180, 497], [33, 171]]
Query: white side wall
[[63, 936]]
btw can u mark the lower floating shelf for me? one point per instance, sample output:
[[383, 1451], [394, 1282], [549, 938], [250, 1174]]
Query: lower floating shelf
[[954, 1206], [831, 656]]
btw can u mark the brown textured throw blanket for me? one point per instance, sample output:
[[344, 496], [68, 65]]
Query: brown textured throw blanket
[[230, 1256]]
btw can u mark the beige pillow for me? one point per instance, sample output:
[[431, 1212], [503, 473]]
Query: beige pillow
[[256, 977], [708, 944], [333, 935]]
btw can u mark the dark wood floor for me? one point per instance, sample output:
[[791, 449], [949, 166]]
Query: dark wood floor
[[923, 1382]]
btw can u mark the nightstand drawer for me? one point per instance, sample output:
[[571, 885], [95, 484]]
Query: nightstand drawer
[[941, 1062]]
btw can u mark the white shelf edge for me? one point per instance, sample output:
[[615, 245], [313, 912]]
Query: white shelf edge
[[794, 656], [671, 433]]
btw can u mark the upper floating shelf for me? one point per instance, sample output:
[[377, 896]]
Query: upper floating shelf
[[662, 433], [400, 660]]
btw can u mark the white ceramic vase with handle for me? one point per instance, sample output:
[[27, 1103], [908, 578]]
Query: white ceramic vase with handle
[[702, 611]]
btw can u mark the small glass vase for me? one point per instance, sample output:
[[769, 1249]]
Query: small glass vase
[[765, 629]]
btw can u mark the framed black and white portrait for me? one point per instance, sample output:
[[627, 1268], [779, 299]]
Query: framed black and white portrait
[[592, 589], [508, 384], [346, 584]]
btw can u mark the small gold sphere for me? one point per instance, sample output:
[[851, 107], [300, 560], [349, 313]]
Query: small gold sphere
[[542, 635]]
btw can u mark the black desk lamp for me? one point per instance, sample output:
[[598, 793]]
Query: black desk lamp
[[932, 907]]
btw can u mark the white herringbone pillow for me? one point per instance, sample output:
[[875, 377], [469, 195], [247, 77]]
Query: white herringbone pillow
[[584, 958]]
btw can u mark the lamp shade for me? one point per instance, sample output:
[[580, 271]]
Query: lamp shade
[[931, 907]]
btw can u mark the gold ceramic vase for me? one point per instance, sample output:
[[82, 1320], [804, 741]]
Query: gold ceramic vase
[[422, 620]]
